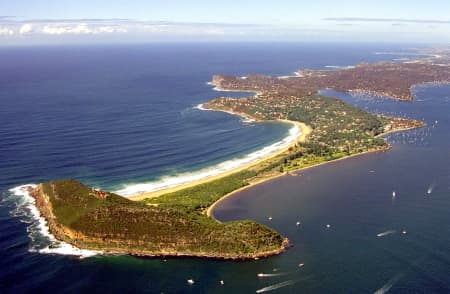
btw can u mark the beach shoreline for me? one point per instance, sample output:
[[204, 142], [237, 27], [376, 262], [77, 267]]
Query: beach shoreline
[[302, 129]]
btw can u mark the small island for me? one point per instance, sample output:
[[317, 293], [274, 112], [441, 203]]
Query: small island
[[179, 221]]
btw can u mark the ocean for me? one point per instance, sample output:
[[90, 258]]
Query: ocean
[[126, 118]]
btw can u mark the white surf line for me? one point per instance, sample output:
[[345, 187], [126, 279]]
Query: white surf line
[[226, 166], [340, 66], [245, 118], [39, 226]]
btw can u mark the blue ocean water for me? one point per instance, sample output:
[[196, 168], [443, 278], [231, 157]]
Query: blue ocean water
[[115, 116]]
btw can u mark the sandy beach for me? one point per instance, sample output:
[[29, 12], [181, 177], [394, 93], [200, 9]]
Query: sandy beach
[[304, 132]]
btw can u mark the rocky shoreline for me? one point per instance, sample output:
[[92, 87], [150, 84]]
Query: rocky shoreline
[[129, 247]]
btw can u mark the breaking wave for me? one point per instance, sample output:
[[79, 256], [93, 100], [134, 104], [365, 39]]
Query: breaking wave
[[188, 177], [340, 66], [38, 231]]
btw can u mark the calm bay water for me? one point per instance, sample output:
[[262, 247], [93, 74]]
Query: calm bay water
[[120, 115]]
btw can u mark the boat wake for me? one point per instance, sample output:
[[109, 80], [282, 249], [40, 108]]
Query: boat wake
[[386, 287], [262, 275], [41, 239], [431, 188], [276, 286], [389, 232], [189, 177]]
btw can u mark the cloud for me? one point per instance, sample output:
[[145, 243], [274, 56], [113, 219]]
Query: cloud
[[56, 31], [26, 29], [80, 29], [79, 20], [396, 20], [6, 31], [59, 27]]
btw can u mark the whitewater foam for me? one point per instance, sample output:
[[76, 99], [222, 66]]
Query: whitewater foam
[[244, 119], [340, 66], [431, 188], [218, 89], [389, 232], [38, 231], [188, 177], [295, 75], [276, 286], [263, 275]]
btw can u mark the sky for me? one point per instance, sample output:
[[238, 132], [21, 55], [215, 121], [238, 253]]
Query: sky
[[100, 21]]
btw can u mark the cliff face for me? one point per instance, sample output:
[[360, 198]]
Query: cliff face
[[59, 231], [114, 224]]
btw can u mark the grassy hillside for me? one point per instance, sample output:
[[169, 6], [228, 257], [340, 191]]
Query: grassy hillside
[[116, 223]]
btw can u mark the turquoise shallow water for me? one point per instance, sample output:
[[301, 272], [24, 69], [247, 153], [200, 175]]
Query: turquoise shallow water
[[119, 115]]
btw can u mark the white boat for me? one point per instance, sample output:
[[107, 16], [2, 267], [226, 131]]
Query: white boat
[[190, 282]]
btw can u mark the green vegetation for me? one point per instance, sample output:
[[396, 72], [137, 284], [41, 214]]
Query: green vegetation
[[339, 129], [175, 223], [204, 195], [117, 224]]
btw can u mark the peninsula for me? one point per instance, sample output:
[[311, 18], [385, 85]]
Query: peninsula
[[177, 222]]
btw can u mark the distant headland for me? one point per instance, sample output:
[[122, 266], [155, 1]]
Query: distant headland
[[178, 221]]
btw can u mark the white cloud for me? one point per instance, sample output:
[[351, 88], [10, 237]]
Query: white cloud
[[123, 30], [6, 32], [215, 32], [154, 28], [26, 29], [110, 30], [80, 29], [61, 30]]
